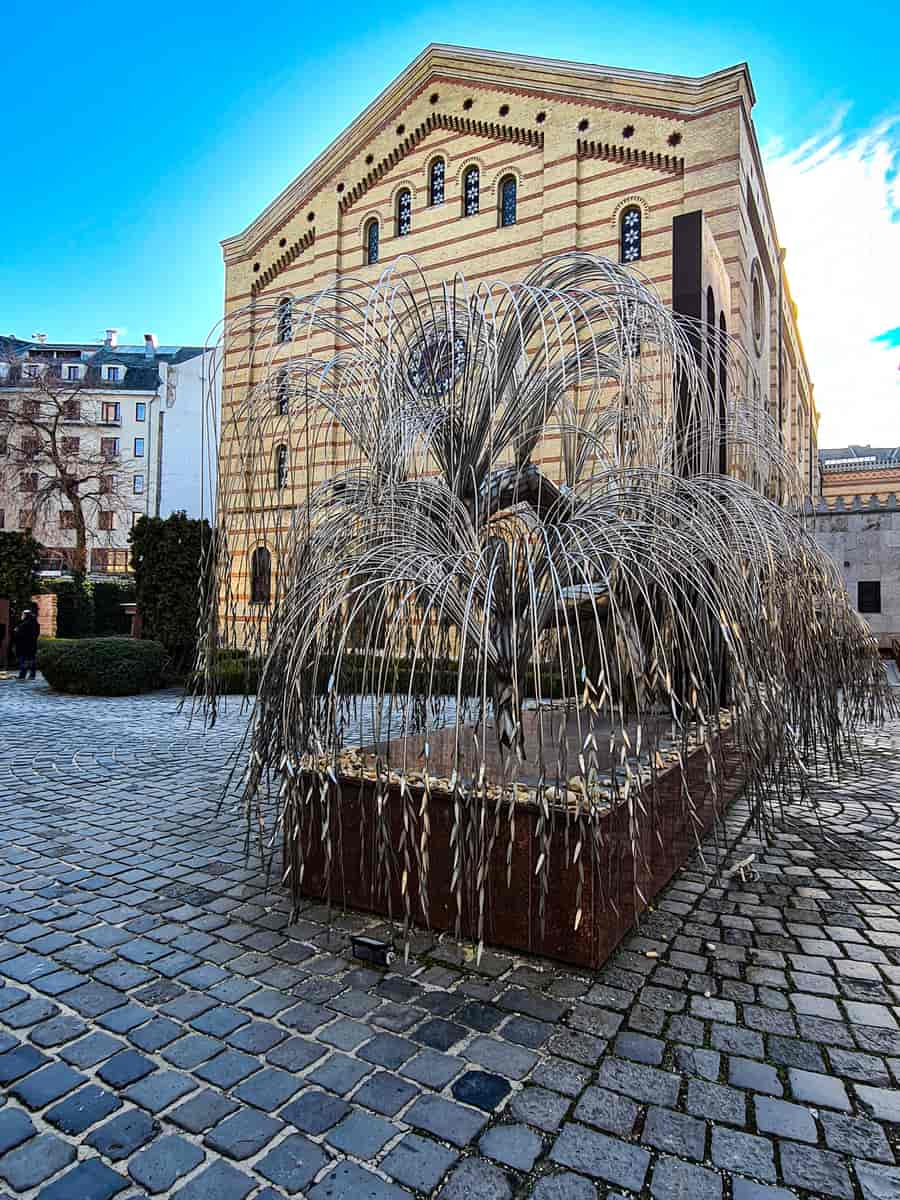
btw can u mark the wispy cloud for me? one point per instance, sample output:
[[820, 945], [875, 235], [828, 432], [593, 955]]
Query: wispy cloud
[[837, 205]]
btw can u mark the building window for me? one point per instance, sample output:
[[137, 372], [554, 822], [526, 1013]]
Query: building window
[[260, 576], [471, 190], [4, 445], [72, 410], [111, 412], [436, 177], [630, 235], [31, 447], [2, 518], [140, 411], [404, 213], [107, 483], [71, 445], [138, 447], [109, 448], [723, 396], [371, 242], [136, 515], [508, 201], [31, 372], [282, 394], [31, 409], [285, 319], [112, 374], [107, 521], [138, 485], [758, 305], [281, 466], [67, 519], [868, 596], [26, 518], [72, 373]]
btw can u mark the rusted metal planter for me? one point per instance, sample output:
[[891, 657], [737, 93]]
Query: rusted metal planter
[[617, 885]]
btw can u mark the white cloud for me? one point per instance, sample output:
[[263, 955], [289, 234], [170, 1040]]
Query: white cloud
[[837, 207]]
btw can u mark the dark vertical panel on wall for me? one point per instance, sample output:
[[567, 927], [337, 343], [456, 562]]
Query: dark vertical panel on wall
[[687, 302]]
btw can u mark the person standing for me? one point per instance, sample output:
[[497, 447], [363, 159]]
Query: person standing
[[25, 637]]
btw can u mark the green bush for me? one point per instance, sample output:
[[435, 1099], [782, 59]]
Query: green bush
[[237, 675], [165, 555], [19, 558], [74, 607], [111, 666], [110, 617]]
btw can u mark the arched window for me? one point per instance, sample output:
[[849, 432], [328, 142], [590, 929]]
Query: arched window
[[630, 235], [285, 318], [723, 397], [282, 393], [436, 177], [371, 242], [508, 201], [404, 213], [281, 466], [471, 189], [711, 357], [260, 576]]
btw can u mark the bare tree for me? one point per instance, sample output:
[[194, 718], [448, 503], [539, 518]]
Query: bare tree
[[54, 454]]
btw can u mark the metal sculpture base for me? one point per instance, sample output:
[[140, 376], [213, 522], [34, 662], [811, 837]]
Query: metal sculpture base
[[618, 884]]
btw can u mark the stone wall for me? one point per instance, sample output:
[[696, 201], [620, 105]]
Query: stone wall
[[863, 538], [45, 606]]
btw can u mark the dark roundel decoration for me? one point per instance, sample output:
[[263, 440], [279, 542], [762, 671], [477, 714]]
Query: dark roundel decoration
[[311, 216], [504, 109], [370, 158], [340, 187], [674, 139], [541, 117], [401, 129], [467, 104], [433, 98], [628, 131], [435, 363], [582, 125], [256, 266]]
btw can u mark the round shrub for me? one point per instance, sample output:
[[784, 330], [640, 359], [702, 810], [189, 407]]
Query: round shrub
[[111, 666]]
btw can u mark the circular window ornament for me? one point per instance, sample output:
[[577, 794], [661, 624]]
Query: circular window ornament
[[758, 307], [436, 363]]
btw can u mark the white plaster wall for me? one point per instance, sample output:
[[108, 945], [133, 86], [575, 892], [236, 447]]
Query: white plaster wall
[[865, 545]]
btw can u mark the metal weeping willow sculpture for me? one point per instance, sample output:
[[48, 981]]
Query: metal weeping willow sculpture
[[540, 577]]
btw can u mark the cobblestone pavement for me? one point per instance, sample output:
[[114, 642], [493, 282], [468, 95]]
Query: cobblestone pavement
[[165, 1032]]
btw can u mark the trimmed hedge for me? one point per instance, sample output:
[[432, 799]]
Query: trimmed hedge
[[74, 607], [110, 666], [237, 675], [110, 617]]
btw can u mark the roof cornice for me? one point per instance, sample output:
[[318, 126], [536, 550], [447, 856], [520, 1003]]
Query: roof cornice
[[676, 95]]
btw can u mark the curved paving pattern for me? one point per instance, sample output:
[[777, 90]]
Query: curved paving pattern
[[165, 1031]]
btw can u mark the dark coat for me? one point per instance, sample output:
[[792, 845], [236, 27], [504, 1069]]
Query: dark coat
[[26, 636]]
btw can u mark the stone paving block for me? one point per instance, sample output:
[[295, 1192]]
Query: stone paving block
[[293, 1163], [733, 1150], [125, 1067], [881, 1103], [219, 1181], [607, 1110], [82, 1109], [15, 1127], [432, 1069], [124, 1134], [560, 1076], [227, 1069], [20, 1061], [29, 1013], [387, 1050], [58, 1030], [819, 1090], [539, 1107], [563, 1185], [295, 1054], [647, 1084], [878, 1182], [361, 1134], [418, 1162], [157, 1091], [449, 1121], [34, 1161], [347, 1181], [382, 1091], [601, 1157], [675, 1180], [819, 1171], [754, 1076], [43, 1087], [515, 1146], [482, 1089], [163, 1163], [675, 1133], [716, 1102], [203, 1111], [90, 1180], [314, 1111]]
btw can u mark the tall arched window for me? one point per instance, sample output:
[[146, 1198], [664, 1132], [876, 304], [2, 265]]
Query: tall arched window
[[711, 363], [282, 392], [436, 177], [371, 242], [630, 235], [471, 190], [508, 200], [281, 466], [285, 318], [404, 213], [260, 576], [723, 396]]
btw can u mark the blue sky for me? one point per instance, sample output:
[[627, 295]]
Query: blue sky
[[138, 138]]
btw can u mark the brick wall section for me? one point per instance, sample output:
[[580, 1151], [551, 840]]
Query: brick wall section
[[46, 613]]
